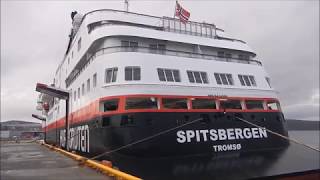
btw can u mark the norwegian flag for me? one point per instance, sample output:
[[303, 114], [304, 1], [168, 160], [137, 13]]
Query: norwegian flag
[[182, 13]]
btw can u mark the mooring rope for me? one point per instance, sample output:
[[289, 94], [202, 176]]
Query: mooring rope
[[145, 139], [277, 134]]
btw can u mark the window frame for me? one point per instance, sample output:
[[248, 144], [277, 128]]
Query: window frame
[[113, 75]]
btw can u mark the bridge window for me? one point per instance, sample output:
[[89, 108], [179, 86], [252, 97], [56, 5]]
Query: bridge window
[[74, 95], [78, 93], [203, 104], [198, 77], [130, 44], [222, 78], [82, 89], [221, 54], [157, 48], [94, 80], [111, 75], [110, 105], [132, 73], [273, 105], [175, 103], [254, 104], [79, 44], [247, 80], [142, 103], [170, 75], [268, 81], [88, 85], [230, 104]]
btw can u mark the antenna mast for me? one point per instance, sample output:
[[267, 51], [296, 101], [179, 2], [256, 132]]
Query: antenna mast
[[126, 5]]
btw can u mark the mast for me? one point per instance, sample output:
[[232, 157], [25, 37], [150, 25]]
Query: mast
[[126, 5]]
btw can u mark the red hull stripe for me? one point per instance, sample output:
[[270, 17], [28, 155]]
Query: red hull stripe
[[91, 110]]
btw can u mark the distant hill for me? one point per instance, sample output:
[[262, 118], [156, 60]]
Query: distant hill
[[294, 124]]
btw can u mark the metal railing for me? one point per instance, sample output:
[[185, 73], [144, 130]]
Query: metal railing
[[86, 60]]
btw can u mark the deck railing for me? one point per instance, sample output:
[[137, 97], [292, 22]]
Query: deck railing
[[87, 59]]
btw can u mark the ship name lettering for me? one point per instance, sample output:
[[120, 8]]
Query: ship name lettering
[[204, 135]]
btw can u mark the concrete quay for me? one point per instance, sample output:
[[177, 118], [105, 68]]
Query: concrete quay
[[31, 161]]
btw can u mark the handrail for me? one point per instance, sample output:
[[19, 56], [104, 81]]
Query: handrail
[[142, 49]]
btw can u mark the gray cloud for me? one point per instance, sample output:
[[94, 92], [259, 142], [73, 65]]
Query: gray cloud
[[284, 34]]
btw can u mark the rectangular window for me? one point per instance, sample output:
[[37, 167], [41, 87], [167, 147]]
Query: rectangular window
[[254, 104], [221, 54], [110, 105], [175, 103], [161, 75], [78, 93], [198, 77], [94, 80], [82, 89], [130, 44], [203, 104], [79, 44], [225, 79], [142, 103], [268, 81], [75, 95], [125, 43], [111, 75], [230, 104], [132, 73], [241, 80], [273, 105], [247, 80], [88, 85], [190, 76], [218, 79], [228, 55], [170, 75]]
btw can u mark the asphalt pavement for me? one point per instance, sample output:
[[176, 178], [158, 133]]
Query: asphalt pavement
[[31, 161]]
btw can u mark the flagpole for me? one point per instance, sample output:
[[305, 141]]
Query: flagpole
[[175, 9]]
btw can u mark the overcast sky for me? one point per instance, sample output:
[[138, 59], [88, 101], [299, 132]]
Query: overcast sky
[[284, 34]]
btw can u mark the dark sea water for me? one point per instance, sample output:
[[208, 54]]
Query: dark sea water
[[311, 138]]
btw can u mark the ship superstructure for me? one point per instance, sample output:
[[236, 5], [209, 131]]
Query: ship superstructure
[[131, 76]]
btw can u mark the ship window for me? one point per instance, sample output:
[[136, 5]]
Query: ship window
[[72, 54], [254, 104], [230, 104], [111, 75], [247, 80], [170, 75], [268, 81], [132, 44], [203, 104], [78, 93], [132, 73], [75, 95], [68, 60], [79, 44], [94, 80], [157, 48], [142, 103], [175, 103], [110, 105], [228, 55], [82, 89], [88, 85], [198, 77], [272, 105], [225, 79], [221, 54]]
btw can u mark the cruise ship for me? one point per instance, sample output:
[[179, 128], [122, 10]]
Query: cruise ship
[[146, 86]]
